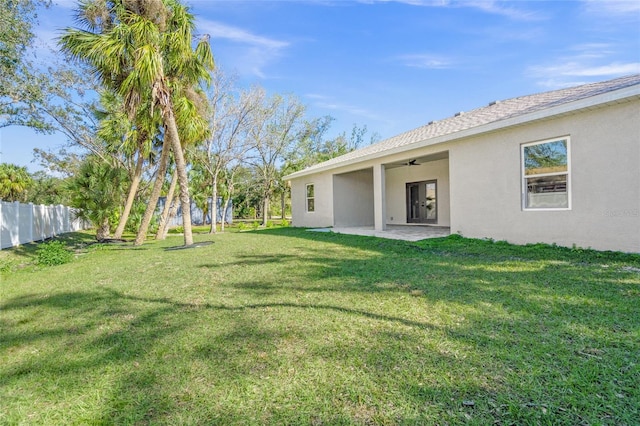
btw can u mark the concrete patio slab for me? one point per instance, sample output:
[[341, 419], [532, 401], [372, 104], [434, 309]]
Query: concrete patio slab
[[393, 232]]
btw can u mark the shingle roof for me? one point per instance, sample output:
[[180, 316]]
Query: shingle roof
[[494, 112]]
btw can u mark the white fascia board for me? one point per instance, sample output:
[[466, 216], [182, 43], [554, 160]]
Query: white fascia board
[[626, 93]]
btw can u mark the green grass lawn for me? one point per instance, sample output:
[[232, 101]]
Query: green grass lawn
[[285, 326]]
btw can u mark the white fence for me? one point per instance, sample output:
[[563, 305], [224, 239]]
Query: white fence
[[24, 223]]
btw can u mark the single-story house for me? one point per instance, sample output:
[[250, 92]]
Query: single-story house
[[556, 167]]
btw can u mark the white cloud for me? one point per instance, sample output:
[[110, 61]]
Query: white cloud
[[575, 73], [618, 8], [488, 6], [316, 96], [325, 102], [593, 50], [586, 61], [254, 52], [409, 2], [426, 61], [498, 8], [577, 69], [238, 35]]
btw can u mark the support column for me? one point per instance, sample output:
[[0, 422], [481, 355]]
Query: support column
[[379, 198]]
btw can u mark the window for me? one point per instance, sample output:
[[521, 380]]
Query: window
[[310, 198], [545, 174]]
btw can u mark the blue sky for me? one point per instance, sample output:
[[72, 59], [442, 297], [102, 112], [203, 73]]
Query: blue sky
[[396, 65]]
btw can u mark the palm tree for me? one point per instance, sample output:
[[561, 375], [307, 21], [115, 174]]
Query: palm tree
[[15, 181], [142, 50], [131, 138], [98, 189]]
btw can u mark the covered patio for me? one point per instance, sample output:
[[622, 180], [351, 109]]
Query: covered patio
[[407, 191]]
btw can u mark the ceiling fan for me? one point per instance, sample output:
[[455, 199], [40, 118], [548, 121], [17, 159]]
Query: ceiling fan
[[413, 162]]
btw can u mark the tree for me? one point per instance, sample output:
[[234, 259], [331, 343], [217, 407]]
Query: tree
[[15, 182], [142, 50], [133, 138], [98, 190], [21, 85], [48, 190], [169, 210], [200, 190], [275, 127], [99, 126], [314, 147], [248, 194], [229, 121]]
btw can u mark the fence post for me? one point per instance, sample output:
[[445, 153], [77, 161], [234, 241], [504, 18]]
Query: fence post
[[31, 224], [16, 205], [42, 221], [60, 211]]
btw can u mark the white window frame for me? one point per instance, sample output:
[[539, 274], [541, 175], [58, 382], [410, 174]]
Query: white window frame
[[307, 198], [524, 176]]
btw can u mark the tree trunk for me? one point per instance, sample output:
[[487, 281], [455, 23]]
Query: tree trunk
[[265, 209], [214, 204], [135, 181], [181, 168], [155, 194], [172, 213], [224, 212], [164, 218], [283, 202], [103, 230]]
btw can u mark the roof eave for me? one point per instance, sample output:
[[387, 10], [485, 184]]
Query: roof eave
[[569, 107]]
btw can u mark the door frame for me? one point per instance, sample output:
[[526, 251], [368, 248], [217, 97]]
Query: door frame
[[422, 216]]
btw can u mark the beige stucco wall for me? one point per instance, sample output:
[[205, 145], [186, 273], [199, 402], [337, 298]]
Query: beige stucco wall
[[484, 183], [353, 198], [397, 178], [323, 214], [485, 180]]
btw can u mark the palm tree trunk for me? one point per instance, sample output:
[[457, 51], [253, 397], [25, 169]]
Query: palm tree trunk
[[181, 167], [155, 194], [173, 211], [164, 218], [135, 181], [102, 232]]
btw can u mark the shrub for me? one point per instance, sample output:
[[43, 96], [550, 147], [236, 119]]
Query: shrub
[[176, 230], [53, 253]]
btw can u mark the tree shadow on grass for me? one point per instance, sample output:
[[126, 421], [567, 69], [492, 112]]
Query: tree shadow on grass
[[562, 309], [157, 360], [336, 339], [130, 342], [124, 338]]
